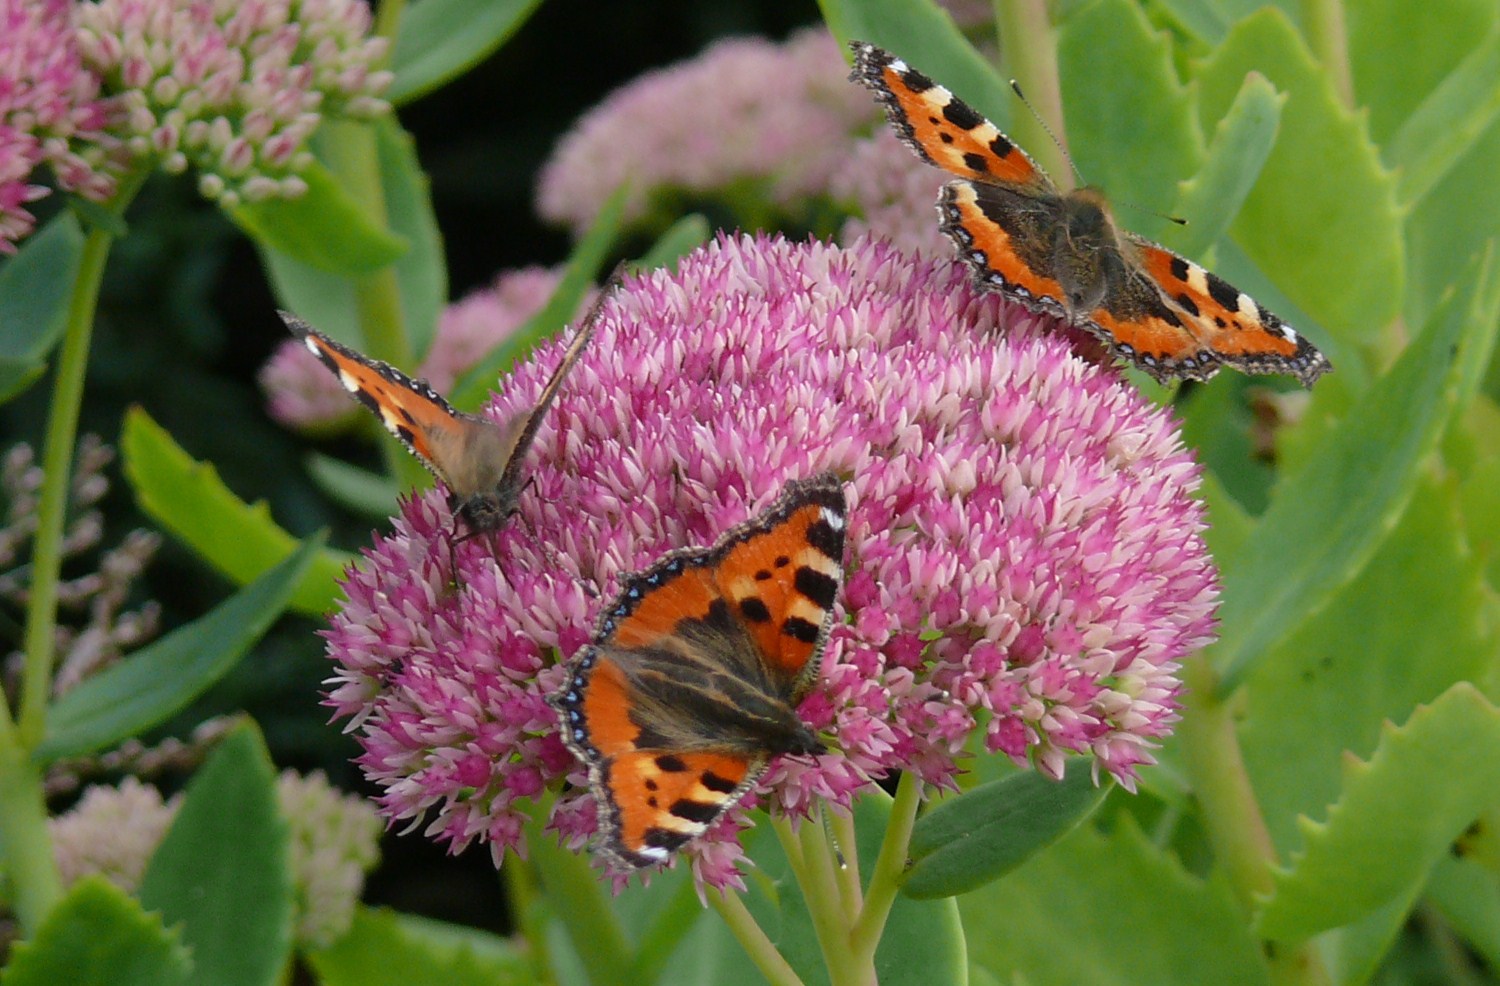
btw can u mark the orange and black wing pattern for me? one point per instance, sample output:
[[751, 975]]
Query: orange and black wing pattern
[[692, 682], [1201, 321], [941, 128], [409, 409]]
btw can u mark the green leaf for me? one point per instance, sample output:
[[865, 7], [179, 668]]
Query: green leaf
[[1468, 897], [1398, 814], [1242, 142], [1329, 518], [223, 871], [1109, 910], [35, 287], [1112, 63], [17, 376], [685, 236], [442, 39], [98, 935], [1399, 52], [325, 228], [924, 35], [970, 839], [370, 493], [329, 300], [1405, 630], [1322, 222], [187, 498], [384, 948], [1448, 123], [131, 696], [582, 269]]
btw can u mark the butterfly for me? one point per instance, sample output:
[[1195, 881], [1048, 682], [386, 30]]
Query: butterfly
[[692, 682], [1061, 253], [482, 462]]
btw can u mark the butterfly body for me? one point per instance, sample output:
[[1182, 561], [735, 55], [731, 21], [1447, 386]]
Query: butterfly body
[[693, 680], [1062, 252], [480, 461]]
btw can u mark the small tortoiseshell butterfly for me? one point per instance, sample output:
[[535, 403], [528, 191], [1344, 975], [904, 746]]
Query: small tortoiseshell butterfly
[[481, 462], [1062, 253], [695, 673]]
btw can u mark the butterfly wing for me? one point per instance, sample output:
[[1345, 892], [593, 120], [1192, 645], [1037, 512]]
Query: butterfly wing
[[941, 128], [1202, 320], [526, 428], [446, 441], [692, 680]]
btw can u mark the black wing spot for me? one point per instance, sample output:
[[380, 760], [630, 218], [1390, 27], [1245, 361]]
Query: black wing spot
[[755, 610], [694, 811], [1002, 146], [945, 137], [714, 782], [816, 586], [960, 115], [1180, 268], [1223, 292], [665, 839], [1188, 304], [977, 162], [821, 535], [670, 764], [915, 81], [762, 575], [799, 629], [782, 561]]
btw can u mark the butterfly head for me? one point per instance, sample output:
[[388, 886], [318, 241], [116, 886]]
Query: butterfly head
[[487, 510]]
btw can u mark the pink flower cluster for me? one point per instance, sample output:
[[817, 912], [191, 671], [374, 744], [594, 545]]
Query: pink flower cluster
[[1023, 539], [746, 110], [301, 393], [895, 194], [50, 112], [233, 89]]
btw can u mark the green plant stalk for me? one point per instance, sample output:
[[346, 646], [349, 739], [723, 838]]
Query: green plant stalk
[[354, 159], [1028, 48], [57, 468], [388, 23], [753, 939], [578, 899], [1323, 22], [885, 878], [847, 844], [25, 842], [811, 860], [1232, 816], [528, 906]]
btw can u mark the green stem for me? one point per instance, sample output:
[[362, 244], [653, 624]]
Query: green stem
[[25, 841], [527, 907], [1232, 816], [580, 903], [885, 878], [812, 865], [753, 939], [1326, 36], [57, 468], [847, 843], [388, 22], [1028, 48]]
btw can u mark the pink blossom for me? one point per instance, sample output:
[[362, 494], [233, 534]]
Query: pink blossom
[[894, 195], [1023, 541], [229, 88], [746, 110], [49, 113]]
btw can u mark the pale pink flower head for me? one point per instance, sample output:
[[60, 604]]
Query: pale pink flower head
[[112, 832], [302, 394], [894, 194], [232, 89], [50, 113], [745, 115], [1023, 541]]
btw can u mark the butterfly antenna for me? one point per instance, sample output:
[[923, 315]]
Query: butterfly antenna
[[1015, 87]]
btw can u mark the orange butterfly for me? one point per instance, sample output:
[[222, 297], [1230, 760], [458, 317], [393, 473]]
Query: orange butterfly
[[481, 462], [695, 673], [1062, 253]]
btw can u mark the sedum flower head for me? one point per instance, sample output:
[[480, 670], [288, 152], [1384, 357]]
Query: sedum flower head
[[50, 113], [894, 194], [301, 393], [1024, 544], [334, 843], [746, 110], [112, 831], [233, 89]]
